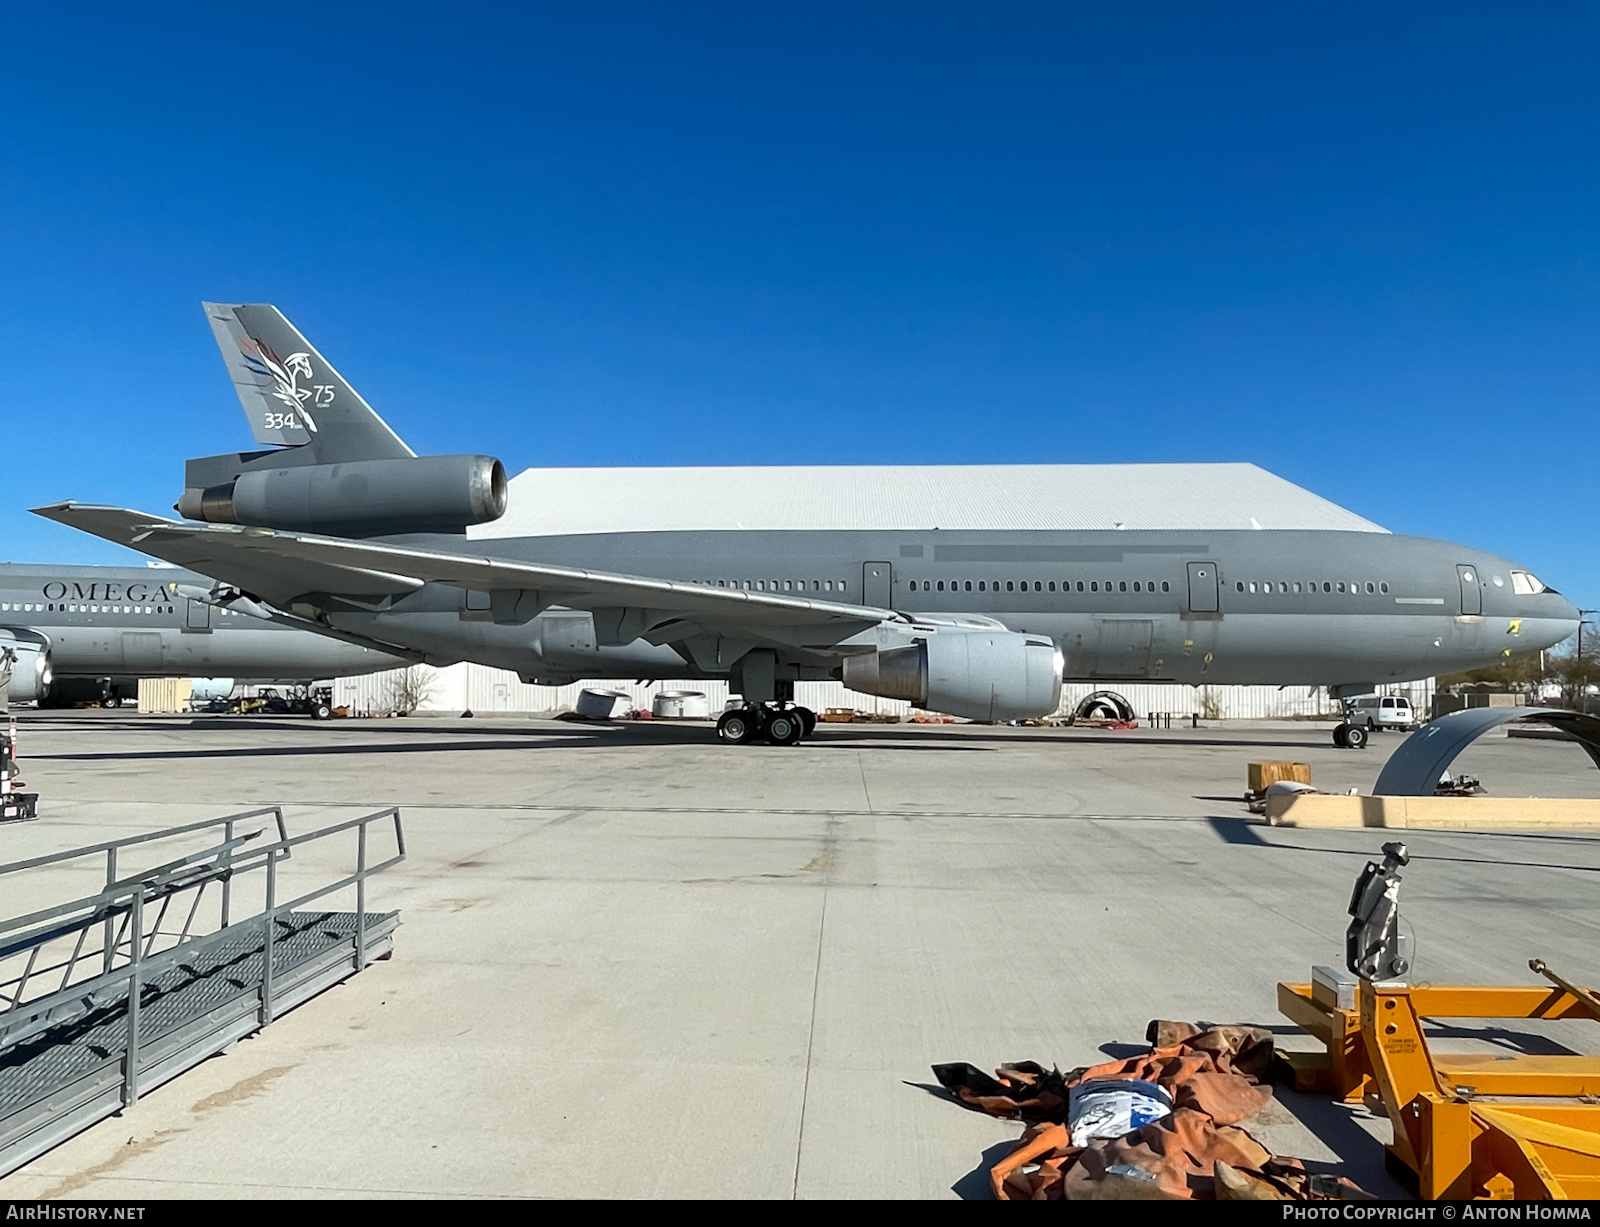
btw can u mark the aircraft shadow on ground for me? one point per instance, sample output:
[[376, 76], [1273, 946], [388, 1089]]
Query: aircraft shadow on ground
[[1063, 739], [423, 738], [855, 736], [279, 751], [1245, 833]]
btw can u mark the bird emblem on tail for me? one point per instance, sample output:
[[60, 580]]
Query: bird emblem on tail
[[286, 374]]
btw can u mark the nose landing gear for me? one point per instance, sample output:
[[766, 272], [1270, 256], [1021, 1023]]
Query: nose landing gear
[[1351, 736]]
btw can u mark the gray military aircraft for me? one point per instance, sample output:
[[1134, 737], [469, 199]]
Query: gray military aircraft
[[967, 590], [89, 633]]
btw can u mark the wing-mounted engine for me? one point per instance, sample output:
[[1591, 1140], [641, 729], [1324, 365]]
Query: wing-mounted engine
[[979, 674], [27, 652], [360, 498]]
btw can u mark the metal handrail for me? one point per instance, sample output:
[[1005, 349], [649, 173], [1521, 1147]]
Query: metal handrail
[[118, 889], [165, 833]]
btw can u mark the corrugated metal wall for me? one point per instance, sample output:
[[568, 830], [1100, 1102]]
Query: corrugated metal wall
[[477, 688]]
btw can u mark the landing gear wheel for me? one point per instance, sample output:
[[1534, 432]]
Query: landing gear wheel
[[736, 727], [1339, 734], [808, 720], [785, 728], [1356, 737]]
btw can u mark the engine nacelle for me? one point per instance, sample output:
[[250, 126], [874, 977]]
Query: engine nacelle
[[979, 674], [31, 672], [364, 498]]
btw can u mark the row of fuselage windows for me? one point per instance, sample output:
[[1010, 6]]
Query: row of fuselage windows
[[1262, 587], [66, 607], [776, 585], [1038, 585], [1268, 587]]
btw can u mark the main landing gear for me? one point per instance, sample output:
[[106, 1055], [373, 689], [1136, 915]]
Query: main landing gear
[[781, 724]]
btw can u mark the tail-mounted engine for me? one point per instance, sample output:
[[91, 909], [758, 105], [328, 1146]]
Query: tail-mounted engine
[[361, 498]]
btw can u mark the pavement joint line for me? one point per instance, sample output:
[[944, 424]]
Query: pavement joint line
[[829, 844], [803, 813], [565, 818], [866, 789], [64, 820]]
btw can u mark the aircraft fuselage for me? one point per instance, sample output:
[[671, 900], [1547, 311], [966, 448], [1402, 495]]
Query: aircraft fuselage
[[127, 622], [1280, 607]]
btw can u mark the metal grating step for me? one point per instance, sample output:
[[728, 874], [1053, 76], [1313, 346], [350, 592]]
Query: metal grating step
[[209, 980], [57, 1083]]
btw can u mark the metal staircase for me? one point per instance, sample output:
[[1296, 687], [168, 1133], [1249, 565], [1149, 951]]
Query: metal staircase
[[107, 996]]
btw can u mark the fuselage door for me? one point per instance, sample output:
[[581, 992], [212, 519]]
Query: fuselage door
[[1471, 588], [876, 586], [1203, 587], [199, 616]]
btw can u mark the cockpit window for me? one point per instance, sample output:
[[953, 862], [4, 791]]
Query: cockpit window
[[1524, 584]]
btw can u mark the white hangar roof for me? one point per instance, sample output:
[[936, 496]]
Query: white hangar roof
[[1014, 497]]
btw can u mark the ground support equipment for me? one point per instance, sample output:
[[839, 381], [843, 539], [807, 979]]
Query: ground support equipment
[[108, 996], [1465, 1126], [15, 806]]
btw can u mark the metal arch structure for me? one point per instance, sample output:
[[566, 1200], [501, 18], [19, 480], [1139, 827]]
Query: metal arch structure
[[1415, 768], [1102, 700]]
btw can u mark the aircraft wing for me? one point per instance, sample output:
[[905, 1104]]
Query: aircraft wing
[[282, 566]]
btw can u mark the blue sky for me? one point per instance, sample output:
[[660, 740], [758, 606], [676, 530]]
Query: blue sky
[[1358, 245]]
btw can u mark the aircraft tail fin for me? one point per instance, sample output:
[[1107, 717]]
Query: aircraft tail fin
[[291, 394]]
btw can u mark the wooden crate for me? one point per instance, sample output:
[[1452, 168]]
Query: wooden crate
[[165, 695], [1263, 774]]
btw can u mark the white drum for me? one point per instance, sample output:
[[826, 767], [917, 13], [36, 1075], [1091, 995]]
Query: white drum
[[604, 704], [680, 705]]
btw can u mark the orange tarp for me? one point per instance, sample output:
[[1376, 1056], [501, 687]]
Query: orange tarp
[[1213, 1077]]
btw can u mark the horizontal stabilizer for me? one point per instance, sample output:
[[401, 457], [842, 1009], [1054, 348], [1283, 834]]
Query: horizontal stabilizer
[[240, 561], [291, 394]]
